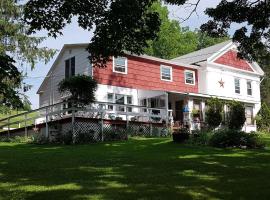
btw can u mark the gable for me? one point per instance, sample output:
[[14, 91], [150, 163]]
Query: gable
[[230, 59]]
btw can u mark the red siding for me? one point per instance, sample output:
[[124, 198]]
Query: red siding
[[230, 59], [145, 74]]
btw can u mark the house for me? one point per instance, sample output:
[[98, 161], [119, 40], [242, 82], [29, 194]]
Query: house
[[179, 86]]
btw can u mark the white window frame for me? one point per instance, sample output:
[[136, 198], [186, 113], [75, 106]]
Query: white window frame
[[126, 65], [168, 67], [249, 81], [193, 74], [239, 85]]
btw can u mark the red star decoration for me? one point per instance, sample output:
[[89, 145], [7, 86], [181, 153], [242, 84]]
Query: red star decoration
[[221, 82]]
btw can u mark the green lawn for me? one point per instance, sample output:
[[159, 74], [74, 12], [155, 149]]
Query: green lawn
[[136, 169]]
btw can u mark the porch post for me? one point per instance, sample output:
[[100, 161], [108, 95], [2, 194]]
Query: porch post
[[190, 108], [167, 107], [203, 109]]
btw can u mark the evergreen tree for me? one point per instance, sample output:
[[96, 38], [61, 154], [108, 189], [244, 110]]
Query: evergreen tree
[[16, 44]]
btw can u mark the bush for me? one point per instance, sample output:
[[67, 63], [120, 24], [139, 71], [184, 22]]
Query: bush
[[40, 139], [235, 138], [200, 138], [213, 113], [236, 115], [263, 118], [181, 135], [85, 137], [16, 139], [67, 138]]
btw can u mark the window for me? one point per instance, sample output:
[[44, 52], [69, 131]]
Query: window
[[237, 85], [249, 88], [129, 109], [70, 67], [166, 73], [120, 99], [110, 107], [120, 108], [129, 99], [120, 65], [189, 77], [110, 97], [249, 115]]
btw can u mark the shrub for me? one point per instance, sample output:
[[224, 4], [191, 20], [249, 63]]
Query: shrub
[[236, 115], [200, 138], [235, 138], [67, 138], [81, 87], [263, 118], [40, 139], [181, 135], [85, 137], [213, 113]]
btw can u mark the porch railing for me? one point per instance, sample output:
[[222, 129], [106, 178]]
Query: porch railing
[[101, 110]]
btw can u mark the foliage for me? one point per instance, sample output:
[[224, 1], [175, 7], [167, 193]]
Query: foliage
[[16, 44], [85, 137], [130, 24], [213, 112], [81, 89], [200, 138], [235, 138], [67, 138], [253, 19], [17, 139], [40, 139], [181, 135], [173, 41], [263, 118], [236, 115]]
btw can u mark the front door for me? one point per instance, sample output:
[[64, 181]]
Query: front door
[[179, 110]]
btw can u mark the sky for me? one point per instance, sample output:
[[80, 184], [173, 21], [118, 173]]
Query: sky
[[74, 34]]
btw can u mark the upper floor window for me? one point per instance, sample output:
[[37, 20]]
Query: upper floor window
[[166, 73], [249, 88], [189, 77], [120, 65], [237, 85], [70, 67]]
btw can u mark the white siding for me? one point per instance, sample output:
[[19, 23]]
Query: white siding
[[50, 93]]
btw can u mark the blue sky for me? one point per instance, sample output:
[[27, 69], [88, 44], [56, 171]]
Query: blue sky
[[74, 34]]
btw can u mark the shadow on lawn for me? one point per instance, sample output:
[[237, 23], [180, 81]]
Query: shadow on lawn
[[136, 169]]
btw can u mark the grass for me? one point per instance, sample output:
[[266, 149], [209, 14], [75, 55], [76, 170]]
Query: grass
[[135, 169]]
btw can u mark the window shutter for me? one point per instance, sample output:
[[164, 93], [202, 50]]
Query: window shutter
[[73, 66], [67, 69]]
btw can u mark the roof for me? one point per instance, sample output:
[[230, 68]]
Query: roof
[[201, 55]]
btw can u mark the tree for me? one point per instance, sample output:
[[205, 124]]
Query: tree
[[128, 24], [236, 115], [254, 19], [214, 112], [80, 89], [263, 118], [15, 44], [173, 41]]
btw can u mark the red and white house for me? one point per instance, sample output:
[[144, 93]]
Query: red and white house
[[179, 86]]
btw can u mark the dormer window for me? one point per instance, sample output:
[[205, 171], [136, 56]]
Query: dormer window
[[120, 65]]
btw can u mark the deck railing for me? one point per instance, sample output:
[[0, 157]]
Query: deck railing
[[101, 110]]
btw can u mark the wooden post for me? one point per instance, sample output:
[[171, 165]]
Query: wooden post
[[167, 107], [151, 129], [8, 128], [25, 125], [73, 122], [102, 127], [47, 127]]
